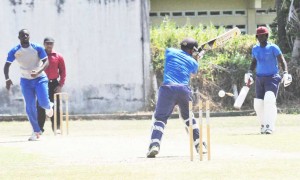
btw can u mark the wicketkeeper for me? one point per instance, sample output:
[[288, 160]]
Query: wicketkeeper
[[265, 58], [179, 65]]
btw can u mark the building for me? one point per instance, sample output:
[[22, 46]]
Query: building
[[105, 45], [245, 14]]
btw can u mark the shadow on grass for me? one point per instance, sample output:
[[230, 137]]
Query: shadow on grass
[[247, 134], [13, 141]]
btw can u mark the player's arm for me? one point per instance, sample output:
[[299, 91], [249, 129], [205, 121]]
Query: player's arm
[[248, 78], [36, 72], [62, 74], [287, 78], [253, 65], [282, 62], [6, 74]]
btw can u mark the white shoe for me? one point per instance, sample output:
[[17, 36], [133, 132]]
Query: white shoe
[[58, 131], [204, 148], [268, 131], [153, 152], [34, 137], [49, 112]]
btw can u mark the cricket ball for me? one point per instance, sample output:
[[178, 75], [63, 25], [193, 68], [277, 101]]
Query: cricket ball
[[221, 93]]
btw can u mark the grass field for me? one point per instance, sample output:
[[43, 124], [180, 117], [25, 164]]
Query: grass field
[[113, 149]]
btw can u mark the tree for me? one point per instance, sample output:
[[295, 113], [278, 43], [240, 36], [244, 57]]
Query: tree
[[282, 12]]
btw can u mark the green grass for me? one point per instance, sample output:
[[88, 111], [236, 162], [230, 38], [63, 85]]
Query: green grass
[[113, 149]]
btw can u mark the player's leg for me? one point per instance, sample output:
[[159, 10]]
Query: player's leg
[[270, 108], [28, 91], [259, 103], [41, 116], [183, 99], [52, 85], [41, 89], [163, 110], [259, 109]]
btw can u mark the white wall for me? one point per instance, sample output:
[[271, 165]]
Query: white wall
[[104, 45]]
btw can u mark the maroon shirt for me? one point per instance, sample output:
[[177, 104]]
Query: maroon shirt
[[56, 68]]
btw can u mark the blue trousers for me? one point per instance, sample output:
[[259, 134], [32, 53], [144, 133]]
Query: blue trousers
[[267, 83], [33, 89], [168, 97]]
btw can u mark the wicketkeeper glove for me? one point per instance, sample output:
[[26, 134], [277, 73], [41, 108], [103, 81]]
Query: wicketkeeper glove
[[248, 77], [286, 79]]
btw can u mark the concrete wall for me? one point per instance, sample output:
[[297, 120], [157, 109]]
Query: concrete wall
[[247, 21], [105, 44]]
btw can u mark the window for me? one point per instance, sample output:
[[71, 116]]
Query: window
[[272, 10], [241, 26], [261, 25], [214, 13], [261, 11], [240, 12], [229, 27], [202, 13], [227, 12], [190, 13], [153, 14], [177, 14], [164, 14]]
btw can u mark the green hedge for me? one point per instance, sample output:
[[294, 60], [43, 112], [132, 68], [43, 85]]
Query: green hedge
[[219, 69]]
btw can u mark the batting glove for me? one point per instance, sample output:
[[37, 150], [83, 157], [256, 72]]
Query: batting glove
[[287, 79], [248, 77]]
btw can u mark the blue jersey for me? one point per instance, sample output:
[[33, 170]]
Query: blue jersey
[[179, 65], [266, 58], [28, 58]]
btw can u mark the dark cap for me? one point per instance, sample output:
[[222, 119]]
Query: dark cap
[[48, 39], [189, 43]]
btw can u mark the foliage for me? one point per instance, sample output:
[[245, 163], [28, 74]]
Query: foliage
[[219, 69], [291, 14]]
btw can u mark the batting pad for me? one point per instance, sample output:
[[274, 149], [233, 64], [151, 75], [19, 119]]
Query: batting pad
[[259, 109], [270, 110]]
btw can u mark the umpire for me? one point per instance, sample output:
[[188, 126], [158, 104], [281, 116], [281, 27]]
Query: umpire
[[56, 73]]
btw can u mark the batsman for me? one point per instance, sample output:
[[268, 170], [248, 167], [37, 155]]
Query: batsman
[[180, 64], [265, 58]]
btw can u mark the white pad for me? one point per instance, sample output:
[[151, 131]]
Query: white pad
[[270, 110], [259, 109]]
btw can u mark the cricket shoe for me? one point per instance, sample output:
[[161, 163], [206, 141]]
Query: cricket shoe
[[34, 137], [268, 131], [204, 148], [49, 112], [262, 130], [153, 151]]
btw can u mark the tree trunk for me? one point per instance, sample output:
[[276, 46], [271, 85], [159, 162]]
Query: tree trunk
[[281, 20]]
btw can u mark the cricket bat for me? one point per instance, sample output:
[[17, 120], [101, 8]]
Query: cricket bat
[[219, 40], [242, 96]]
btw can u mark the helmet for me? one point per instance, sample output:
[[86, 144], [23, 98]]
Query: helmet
[[262, 30], [189, 43]]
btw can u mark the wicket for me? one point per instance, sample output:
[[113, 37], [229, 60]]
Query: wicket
[[191, 130], [201, 129], [61, 97], [200, 147]]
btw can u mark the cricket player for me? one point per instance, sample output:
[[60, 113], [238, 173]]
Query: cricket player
[[32, 59], [179, 65], [265, 58]]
